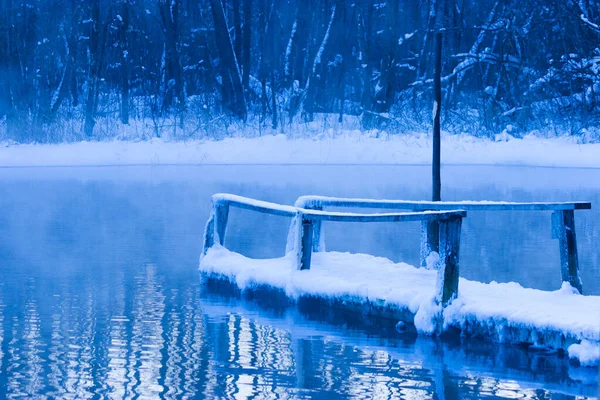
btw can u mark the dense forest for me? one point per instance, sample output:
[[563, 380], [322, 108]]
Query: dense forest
[[89, 69]]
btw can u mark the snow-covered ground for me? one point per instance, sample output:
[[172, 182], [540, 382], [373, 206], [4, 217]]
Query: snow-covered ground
[[347, 147], [504, 312]]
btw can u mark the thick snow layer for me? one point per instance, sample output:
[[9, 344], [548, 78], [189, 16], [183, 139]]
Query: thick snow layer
[[348, 147], [254, 204], [504, 312]]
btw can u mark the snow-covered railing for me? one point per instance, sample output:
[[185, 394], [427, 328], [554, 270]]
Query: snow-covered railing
[[300, 239], [217, 223], [563, 222]]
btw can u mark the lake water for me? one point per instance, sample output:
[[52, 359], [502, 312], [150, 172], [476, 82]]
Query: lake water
[[100, 294]]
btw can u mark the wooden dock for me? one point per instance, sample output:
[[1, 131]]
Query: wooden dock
[[431, 300]]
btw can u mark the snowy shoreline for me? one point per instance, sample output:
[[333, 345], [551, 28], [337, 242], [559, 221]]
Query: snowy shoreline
[[350, 147]]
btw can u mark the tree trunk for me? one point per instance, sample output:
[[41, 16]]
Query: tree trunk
[[172, 76], [384, 97], [72, 43], [262, 69], [125, 63], [237, 30], [5, 89], [247, 44], [230, 73], [273, 99], [94, 70], [309, 89], [364, 42]]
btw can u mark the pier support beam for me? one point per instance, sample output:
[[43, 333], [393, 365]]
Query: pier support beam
[[563, 229], [317, 242], [448, 272], [306, 243]]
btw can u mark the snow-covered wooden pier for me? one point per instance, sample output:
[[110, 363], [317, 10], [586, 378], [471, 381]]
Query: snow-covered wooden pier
[[433, 297]]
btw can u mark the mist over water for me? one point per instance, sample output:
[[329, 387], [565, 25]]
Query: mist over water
[[100, 294]]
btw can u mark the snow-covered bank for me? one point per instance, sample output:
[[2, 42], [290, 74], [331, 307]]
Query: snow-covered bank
[[351, 147], [504, 312]]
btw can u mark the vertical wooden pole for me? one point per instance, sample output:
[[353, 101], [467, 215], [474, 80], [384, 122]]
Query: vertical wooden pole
[[306, 245], [317, 244], [437, 108], [209, 232], [563, 228], [436, 192], [425, 248], [449, 271]]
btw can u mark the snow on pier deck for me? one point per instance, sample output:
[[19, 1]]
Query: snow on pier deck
[[435, 301], [503, 312]]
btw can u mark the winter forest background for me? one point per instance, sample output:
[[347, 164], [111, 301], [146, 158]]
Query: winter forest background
[[97, 69]]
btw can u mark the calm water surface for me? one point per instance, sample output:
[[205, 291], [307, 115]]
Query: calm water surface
[[100, 294]]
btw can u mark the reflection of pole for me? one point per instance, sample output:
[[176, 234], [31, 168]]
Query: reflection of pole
[[300, 365]]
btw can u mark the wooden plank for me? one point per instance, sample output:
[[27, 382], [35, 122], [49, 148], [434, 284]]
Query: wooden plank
[[443, 205], [263, 209], [246, 203], [563, 226], [306, 244], [449, 271], [315, 215]]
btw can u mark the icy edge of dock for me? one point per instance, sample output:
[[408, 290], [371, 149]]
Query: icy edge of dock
[[502, 312]]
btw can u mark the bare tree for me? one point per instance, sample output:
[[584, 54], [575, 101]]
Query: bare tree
[[233, 91]]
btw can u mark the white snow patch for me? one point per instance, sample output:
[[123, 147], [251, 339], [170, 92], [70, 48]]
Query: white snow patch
[[332, 149], [587, 352], [432, 261], [429, 317]]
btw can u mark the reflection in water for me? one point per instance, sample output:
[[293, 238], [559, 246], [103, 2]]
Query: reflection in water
[[100, 295]]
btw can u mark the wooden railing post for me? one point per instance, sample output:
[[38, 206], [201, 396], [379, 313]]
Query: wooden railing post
[[429, 240], [221, 211], [214, 232], [306, 244], [317, 241], [209, 232], [449, 269], [563, 229]]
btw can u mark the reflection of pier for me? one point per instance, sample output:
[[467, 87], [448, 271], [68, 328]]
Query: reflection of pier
[[304, 337], [431, 300]]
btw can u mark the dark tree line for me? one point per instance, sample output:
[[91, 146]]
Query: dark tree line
[[194, 66]]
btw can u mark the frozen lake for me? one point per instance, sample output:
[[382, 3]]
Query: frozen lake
[[99, 289]]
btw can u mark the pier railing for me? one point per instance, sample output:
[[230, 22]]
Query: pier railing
[[307, 223], [563, 223]]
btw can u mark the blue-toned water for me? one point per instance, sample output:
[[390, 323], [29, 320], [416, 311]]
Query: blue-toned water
[[100, 294]]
